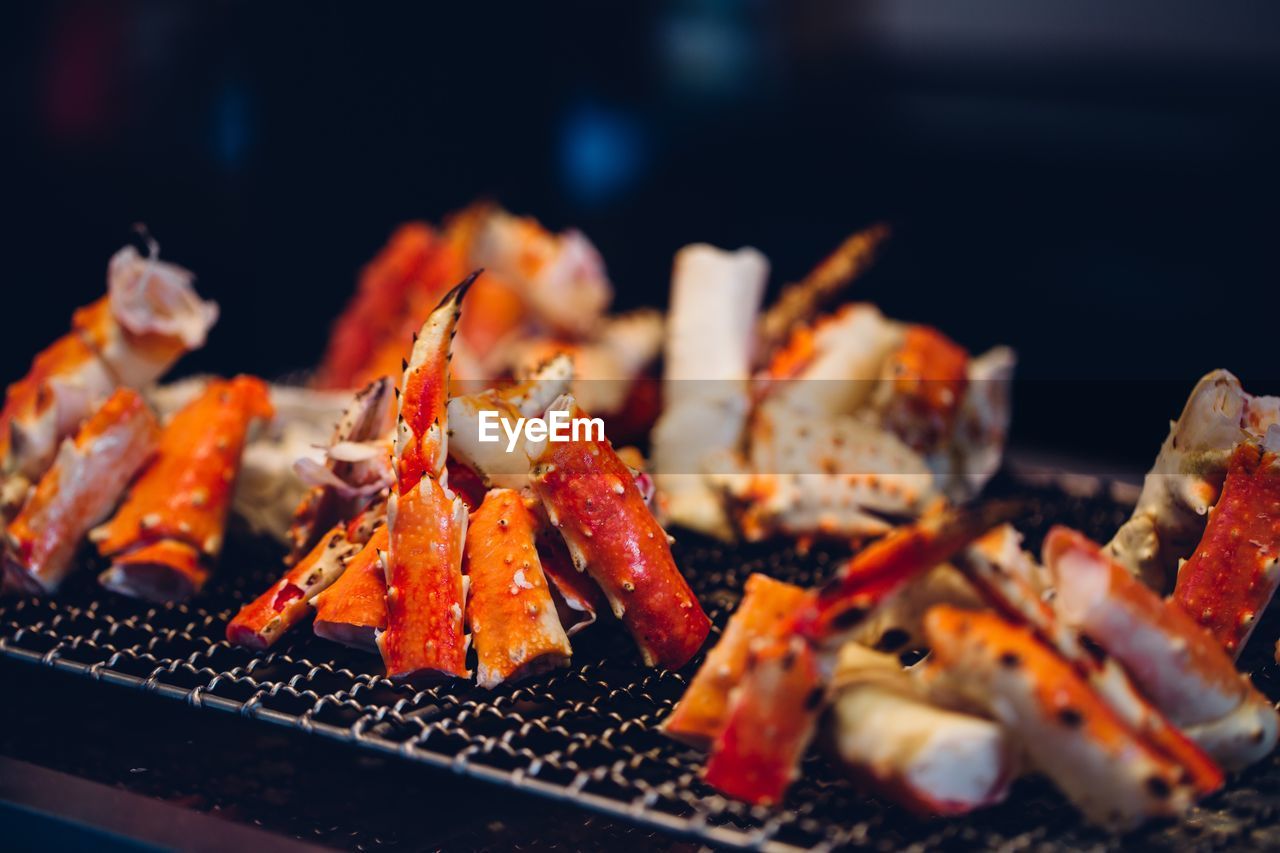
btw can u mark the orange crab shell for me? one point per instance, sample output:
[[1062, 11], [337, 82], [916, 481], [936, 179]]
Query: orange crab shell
[[703, 710], [354, 608], [510, 611], [591, 496], [1233, 574], [185, 493], [286, 602], [774, 715], [165, 570], [85, 481], [425, 589]]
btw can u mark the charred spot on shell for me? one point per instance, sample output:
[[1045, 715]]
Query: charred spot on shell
[[892, 640], [1010, 660], [1158, 787], [849, 617], [1070, 717]]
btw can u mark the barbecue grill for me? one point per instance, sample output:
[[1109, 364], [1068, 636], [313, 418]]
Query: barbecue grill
[[587, 735]]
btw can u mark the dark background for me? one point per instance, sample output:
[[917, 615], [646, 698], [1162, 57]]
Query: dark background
[[1092, 181]]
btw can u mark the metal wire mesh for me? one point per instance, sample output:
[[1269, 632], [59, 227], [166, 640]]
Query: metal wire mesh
[[588, 734]]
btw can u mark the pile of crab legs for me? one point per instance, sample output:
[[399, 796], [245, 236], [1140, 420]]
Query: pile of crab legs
[[77, 436], [1073, 667], [419, 540]]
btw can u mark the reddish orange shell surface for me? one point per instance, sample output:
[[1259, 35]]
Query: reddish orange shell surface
[[591, 496], [166, 570], [286, 602], [378, 304], [887, 563], [425, 597], [765, 610], [354, 608], [185, 493], [512, 617], [1232, 576], [772, 719], [88, 477], [929, 374]]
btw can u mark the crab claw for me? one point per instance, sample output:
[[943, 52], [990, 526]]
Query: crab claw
[[426, 523], [1175, 661], [591, 497], [1233, 574], [1105, 767], [703, 710], [87, 478], [421, 443], [511, 615]]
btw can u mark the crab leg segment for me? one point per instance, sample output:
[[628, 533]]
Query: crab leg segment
[[702, 712], [1176, 663], [47, 405], [1233, 574], [510, 613], [285, 603], [149, 318], [888, 563], [87, 478], [1112, 775], [591, 496], [933, 761], [354, 607], [775, 712], [1006, 576], [427, 523], [181, 500]]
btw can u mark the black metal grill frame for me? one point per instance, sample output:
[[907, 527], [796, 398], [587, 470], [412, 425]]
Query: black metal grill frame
[[587, 734]]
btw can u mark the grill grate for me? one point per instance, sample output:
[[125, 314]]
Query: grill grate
[[587, 734]]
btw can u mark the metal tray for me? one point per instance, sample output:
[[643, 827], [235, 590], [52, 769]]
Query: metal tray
[[587, 734]]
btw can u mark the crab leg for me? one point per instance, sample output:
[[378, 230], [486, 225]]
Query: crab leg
[[1176, 663], [1187, 476], [1233, 574], [701, 713], [888, 563], [88, 476], [511, 615], [353, 609], [1112, 775], [591, 497], [171, 526], [285, 603], [149, 318], [1007, 578], [785, 691], [427, 523], [933, 761], [355, 468], [772, 718]]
